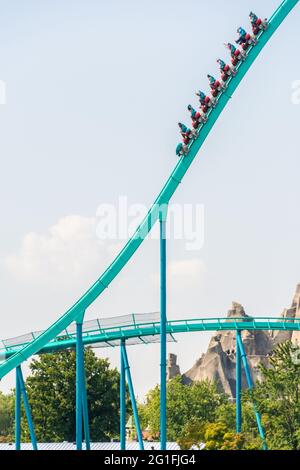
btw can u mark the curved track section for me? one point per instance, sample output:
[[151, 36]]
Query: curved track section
[[78, 309], [94, 334]]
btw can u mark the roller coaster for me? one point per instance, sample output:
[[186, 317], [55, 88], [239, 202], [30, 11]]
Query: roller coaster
[[70, 331]]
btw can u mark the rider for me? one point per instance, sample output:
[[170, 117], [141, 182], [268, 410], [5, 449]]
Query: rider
[[181, 149], [257, 23], [197, 117], [187, 134], [236, 54], [205, 101], [253, 17], [226, 70], [215, 85], [245, 39], [242, 36]]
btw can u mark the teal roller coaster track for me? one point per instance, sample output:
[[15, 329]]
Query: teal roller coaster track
[[94, 334]]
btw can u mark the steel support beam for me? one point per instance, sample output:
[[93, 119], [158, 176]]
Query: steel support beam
[[132, 397], [27, 407], [163, 329], [18, 414], [79, 380], [122, 399], [251, 387], [81, 395], [238, 388], [85, 411]]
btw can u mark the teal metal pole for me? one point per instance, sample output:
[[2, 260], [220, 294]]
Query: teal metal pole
[[238, 388], [122, 399], [132, 397], [85, 410], [79, 385], [251, 387], [18, 414], [163, 332], [27, 408]]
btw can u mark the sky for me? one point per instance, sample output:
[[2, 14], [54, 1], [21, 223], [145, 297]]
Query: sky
[[94, 92]]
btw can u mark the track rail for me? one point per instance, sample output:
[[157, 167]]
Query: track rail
[[78, 309], [110, 335]]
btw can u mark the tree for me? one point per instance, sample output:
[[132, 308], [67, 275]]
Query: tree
[[226, 415], [210, 436], [6, 417], [51, 392], [278, 398], [184, 403]]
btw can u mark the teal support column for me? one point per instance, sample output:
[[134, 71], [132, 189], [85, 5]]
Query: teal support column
[[79, 381], [27, 408], [18, 414], [82, 414], [85, 410], [251, 387], [163, 329], [132, 397], [122, 399], [238, 388]]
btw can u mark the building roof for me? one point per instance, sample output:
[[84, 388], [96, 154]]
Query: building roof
[[94, 446]]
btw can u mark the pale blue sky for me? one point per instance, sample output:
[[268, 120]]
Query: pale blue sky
[[94, 93]]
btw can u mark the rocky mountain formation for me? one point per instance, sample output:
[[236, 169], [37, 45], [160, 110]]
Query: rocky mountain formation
[[218, 363]]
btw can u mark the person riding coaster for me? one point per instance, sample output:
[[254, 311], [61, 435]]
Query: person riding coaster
[[226, 70], [257, 23], [236, 54], [215, 85], [245, 39], [181, 150], [197, 117], [187, 134], [206, 101]]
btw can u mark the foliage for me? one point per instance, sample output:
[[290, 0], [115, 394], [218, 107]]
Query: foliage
[[221, 434], [6, 417], [212, 436], [196, 414], [277, 398], [51, 392], [226, 415], [184, 403], [199, 414]]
